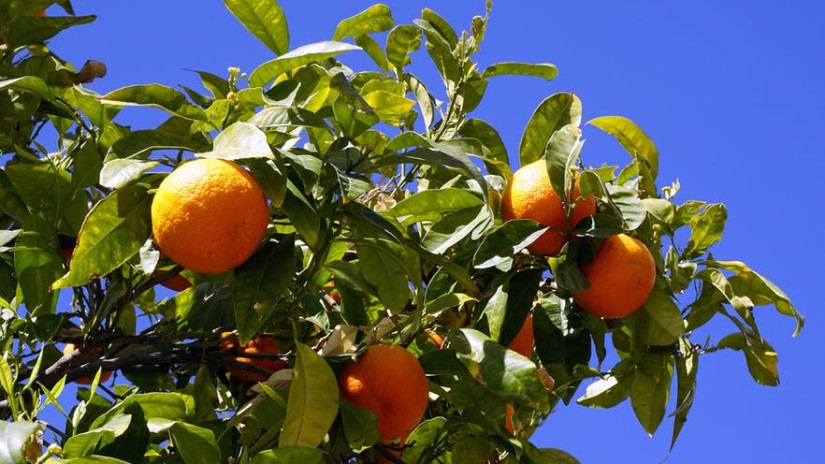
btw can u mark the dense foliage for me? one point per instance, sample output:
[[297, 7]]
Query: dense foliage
[[385, 226]]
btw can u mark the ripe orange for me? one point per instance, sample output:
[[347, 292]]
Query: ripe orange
[[523, 343], [177, 282], [209, 215], [104, 375], [388, 380], [435, 337], [621, 278], [258, 345], [530, 195]]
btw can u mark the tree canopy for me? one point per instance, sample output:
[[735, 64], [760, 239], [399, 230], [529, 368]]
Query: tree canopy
[[385, 226]]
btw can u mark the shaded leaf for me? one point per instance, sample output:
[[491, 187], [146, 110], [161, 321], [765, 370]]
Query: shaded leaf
[[313, 400], [502, 243], [196, 445]]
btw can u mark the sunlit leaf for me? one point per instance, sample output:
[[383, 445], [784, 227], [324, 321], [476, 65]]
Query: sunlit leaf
[[288, 455], [241, 140], [401, 41], [265, 20], [376, 18], [555, 112], [158, 96], [544, 71], [196, 445], [300, 56], [632, 138]]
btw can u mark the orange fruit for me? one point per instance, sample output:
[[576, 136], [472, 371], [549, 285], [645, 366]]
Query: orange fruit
[[509, 413], [209, 215], [435, 337], [388, 380], [530, 195], [523, 343], [621, 278], [104, 375], [258, 345]]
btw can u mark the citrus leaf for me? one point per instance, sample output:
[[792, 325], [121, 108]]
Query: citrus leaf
[[300, 56], [37, 265], [241, 140], [271, 175], [196, 445], [502, 243], [562, 342], [259, 283], [117, 172], [288, 455], [432, 205], [687, 366], [94, 460], [391, 108], [385, 268], [628, 205], [520, 290], [43, 187], [706, 229], [659, 322], [376, 18], [555, 112], [544, 70], [504, 372], [423, 438], [92, 441], [496, 160], [172, 135], [441, 26], [360, 425], [265, 20], [401, 41], [26, 30], [648, 396], [156, 96], [285, 117], [113, 232], [302, 214], [313, 400], [158, 405], [632, 138], [455, 227], [561, 154], [13, 439], [548, 455], [606, 392]]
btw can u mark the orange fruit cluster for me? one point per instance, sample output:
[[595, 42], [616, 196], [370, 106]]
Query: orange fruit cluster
[[530, 195], [209, 215]]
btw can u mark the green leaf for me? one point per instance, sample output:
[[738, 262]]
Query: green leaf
[[687, 366], [496, 161], [13, 439], [260, 282], [302, 214], [441, 26], [432, 205], [706, 229], [628, 205], [648, 396], [131, 444], [44, 188], [360, 425], [659, 322], [548, 455], [376, 18], [172, 135], [401, 41], [288, 455], [117, 172], [455, 227], [265, 20], [504, 372], [606, 392], [241, 140], [27, 30], [94, 460], [37, 264], [555, 112], [385, 268], [544, 70], [156, 96], [271, 175], [391, 108], [300, 56], [160, 405], [760, 356], [423, 438], [196, 445], [561, 154], [94, 440], [521, 289], [632, 138], [502, 243], [313, 400], [113, 232], [562, 342]]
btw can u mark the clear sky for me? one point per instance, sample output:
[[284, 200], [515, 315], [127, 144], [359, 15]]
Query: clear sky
[[732, 94]]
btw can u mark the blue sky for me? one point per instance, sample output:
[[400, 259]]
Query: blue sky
[[730, 92]]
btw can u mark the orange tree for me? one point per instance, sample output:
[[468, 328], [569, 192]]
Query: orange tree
[[374, 180]]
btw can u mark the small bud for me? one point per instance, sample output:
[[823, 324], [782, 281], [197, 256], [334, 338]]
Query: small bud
[[234, 71], [55, 450]]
